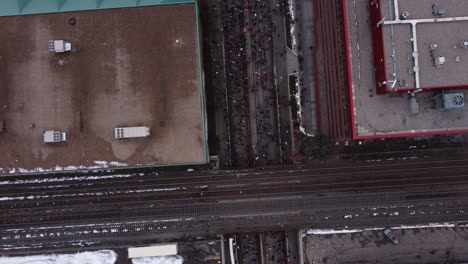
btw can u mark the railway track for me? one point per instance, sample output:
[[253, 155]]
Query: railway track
[[49, 181], [148, 212], [74, 235], [232, 185], [332, 66], [229, 197]]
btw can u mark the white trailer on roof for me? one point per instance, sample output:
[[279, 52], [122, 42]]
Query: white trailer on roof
[[131, 132], [158, 250], [59, 46], [51, 136]]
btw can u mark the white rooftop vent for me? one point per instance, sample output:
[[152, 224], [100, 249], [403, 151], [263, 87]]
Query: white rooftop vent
[[453, 100], [464, 44], [404, 15], [439, 61], [59, 46]]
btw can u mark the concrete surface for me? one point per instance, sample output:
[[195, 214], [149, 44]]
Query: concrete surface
[[125, 69], [419, 245]]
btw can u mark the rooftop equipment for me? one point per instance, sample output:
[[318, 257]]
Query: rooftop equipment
[[449, 100], [131, 132], [464, 44], [413, 104], [153, 251], [437, 12], [453, 100], [404, 15], [2, 126], [439, 61], [59, 46], [51, 136]]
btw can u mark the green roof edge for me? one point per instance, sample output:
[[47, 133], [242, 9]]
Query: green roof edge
[[32, 7]]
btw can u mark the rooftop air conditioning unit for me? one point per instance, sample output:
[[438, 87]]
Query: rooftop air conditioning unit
[[464, 44], [453, 100], [439, 61], [59, 46], [439, 12]]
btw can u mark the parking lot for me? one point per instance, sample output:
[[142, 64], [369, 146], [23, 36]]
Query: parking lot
[[442, 244]]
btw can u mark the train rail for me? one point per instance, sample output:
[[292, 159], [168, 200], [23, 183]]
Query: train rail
[[267, 172], [226, 198], [16, 239], [148, 212], [232, 185]]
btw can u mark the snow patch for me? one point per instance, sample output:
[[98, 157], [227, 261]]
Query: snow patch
[[159, 260], [99, 164], [98, 257], [65, 179], [346, 231]]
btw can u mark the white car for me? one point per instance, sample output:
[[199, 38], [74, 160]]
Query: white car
[[390, 235]]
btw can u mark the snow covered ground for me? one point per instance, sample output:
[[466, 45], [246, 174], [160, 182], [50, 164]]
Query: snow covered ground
[[98, 257], [159, 260]]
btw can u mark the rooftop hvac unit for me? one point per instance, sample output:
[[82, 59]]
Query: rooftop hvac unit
[[464, 44], [439, 61], [404, 15], [59, 46], [51, 136], [131, 132], [439, 12], [453, 100]]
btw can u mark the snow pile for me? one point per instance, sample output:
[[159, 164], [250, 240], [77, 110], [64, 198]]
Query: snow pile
[[159, 260], [98, 257]]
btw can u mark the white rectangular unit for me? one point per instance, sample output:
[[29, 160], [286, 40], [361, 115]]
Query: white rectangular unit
[[51, 136], [153, 251], [59, 46], [131, 132]]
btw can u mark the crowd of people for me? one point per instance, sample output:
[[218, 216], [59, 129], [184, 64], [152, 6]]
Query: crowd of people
[[261, 30], [274, 250], [248, 68], [248, 248]]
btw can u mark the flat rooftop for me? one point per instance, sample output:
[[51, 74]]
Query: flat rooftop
[[434, 36], [389, 115], [136, 66]]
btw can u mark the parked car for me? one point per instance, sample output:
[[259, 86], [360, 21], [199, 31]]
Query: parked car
[[390, 235]]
